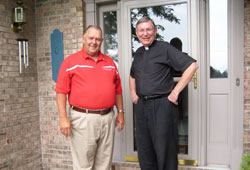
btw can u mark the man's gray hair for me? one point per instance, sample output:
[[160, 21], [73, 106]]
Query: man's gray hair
[[145, 19], [92, 26]]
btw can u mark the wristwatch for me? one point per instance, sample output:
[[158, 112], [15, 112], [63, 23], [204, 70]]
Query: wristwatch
[[121, 111]]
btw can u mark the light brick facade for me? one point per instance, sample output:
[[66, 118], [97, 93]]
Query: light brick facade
[[20, 144], [67, 16], [29, 131], [246, 122]]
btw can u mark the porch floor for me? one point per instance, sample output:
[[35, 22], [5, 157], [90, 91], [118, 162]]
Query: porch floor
[[135, 166]]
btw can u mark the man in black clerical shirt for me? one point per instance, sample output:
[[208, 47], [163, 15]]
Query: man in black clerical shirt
[[156, 98]]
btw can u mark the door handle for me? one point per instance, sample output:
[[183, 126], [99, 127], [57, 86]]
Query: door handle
[[237, 82], [195, 80]]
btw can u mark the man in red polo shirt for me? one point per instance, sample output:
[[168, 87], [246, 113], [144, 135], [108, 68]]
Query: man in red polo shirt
[[91, 81]]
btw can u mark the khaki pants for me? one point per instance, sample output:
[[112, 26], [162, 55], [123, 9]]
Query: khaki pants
[[92, 140]]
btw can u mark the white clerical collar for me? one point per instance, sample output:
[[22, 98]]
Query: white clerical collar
[[146, 48]]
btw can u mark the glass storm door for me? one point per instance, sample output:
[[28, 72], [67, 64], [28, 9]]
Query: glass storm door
[[172, 21]]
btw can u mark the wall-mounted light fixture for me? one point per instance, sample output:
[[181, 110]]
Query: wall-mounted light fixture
[[19, 17], [23, 53]]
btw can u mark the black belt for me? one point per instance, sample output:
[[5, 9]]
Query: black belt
[[145, 98], [102, 111]]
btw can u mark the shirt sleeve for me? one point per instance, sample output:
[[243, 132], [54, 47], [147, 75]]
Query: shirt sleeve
[[132, 74], [63, 81], [178, 60], [118, 86]]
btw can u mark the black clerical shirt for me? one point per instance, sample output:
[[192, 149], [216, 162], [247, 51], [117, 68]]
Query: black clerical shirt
[[153, 68]]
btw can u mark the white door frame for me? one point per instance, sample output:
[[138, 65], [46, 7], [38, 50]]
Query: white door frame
[[193, 28], [236, 31]]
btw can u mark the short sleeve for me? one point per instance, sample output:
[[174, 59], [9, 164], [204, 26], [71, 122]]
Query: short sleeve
[[63, 81], [132, 74], [178, 60]]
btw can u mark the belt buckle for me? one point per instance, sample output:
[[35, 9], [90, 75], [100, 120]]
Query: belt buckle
[[102, 112], [146, 98]]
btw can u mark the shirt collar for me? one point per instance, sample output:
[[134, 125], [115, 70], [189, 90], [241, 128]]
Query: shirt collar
[[86, 56], [148, 47]]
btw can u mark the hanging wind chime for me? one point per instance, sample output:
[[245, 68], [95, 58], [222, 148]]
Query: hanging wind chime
[[23, 53]]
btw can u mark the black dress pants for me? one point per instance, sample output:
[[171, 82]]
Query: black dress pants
[[157, 134]]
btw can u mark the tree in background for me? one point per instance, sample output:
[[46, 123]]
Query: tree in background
[[164, 12], [110, 34], [110, 25]]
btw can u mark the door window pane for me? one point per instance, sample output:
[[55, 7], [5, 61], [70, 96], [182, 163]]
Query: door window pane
[[110, 42], [171, 21], [218, 39]]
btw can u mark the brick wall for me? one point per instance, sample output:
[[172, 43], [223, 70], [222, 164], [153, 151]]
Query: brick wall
[[246, 122], [67, 16], [19, 116]]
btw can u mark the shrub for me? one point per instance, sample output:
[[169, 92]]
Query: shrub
[[245, 165]]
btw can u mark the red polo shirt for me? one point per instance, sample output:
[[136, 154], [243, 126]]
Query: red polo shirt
[[89, 84]]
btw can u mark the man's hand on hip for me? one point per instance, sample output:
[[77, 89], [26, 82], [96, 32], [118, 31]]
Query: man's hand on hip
[[173, 97]]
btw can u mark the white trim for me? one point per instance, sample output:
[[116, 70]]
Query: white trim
[[90, 7], [108, 67], [126, 52], [86, 66], [236, 30], [202, 84], [81, 66], [194, 102]]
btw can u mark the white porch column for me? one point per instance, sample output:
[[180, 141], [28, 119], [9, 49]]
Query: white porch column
[[91, 18]]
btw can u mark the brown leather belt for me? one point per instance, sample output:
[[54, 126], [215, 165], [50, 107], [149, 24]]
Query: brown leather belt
[[101, 112]]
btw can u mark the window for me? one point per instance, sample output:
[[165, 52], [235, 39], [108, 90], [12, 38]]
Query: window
[[110, 42], [218, 39], [108, 22]]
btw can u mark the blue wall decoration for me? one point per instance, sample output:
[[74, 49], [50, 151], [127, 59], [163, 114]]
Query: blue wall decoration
[[57, 57]]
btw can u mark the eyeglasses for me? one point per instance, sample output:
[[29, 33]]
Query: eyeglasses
[[148, 31]]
